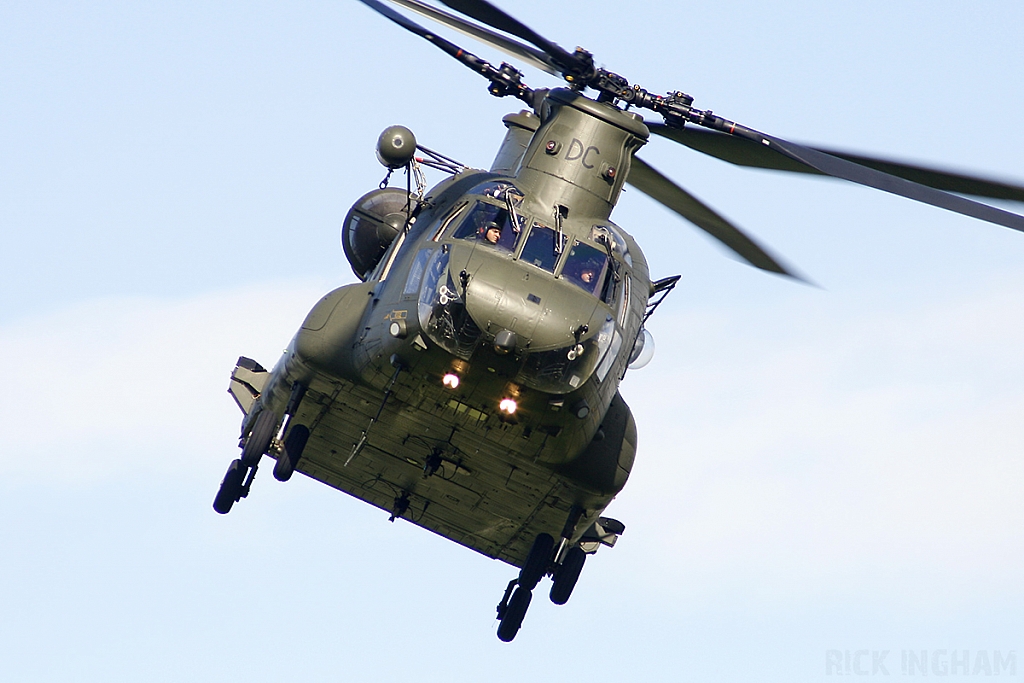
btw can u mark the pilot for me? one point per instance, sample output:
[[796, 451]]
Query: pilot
[[492, 232], [587, 276]]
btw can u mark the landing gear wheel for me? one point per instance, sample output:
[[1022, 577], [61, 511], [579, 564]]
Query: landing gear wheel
[[509, 625], [230, 488], [537, 562], [567, 574], [258, 441], [292, 451]]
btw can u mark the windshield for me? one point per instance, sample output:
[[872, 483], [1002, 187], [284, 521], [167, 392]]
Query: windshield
[[610, 235], [491, 225], [585, 267], [540, 248]]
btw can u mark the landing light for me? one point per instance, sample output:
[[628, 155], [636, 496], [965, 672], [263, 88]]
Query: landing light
[[451, 380], [508, 406]]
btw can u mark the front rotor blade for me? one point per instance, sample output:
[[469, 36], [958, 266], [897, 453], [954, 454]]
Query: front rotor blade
[[504, 81], [748, 153], [410, 25], [515, 49], [862, 175], [932, 177], [735, 150], [495, 18], [659, 188]]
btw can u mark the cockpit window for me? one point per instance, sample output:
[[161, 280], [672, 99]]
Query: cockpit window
[[540, 248], [452, 215], [499, 189], [586, 267], [489, 224], [606, 234]]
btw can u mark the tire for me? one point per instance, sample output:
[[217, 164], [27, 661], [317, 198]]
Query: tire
[[567, 575], [230, 488], [284, 468], [509, 625], [258, 441], [294, 444], [537, 562]]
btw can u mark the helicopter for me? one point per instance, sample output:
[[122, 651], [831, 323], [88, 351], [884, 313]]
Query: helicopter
[[469, 382]]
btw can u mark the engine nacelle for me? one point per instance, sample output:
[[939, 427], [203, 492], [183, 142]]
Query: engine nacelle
[[371, 226]]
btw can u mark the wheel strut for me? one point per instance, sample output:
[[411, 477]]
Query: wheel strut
[[298, 391], [575, 514], [503, 605]]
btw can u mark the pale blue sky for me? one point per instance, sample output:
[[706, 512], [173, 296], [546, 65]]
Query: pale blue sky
[[819, 469]]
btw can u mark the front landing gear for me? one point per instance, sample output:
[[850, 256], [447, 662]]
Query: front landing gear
[[563, 563], [266, 436], [541, 562], [234, 486], [242, 471], [538, 562], [564, 577], [258, 441], [512, 610], [289, 456], [231, 488], [519, 592]]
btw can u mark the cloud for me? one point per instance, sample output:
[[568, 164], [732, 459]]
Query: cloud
[[879, 446], [849, 448], [137, 384]]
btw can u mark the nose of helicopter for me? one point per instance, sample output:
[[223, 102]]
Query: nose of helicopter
[[544, 332], [517, 304]]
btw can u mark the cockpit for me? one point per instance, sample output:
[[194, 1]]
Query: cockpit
[[491, 222], [587, 268], [542, 248]]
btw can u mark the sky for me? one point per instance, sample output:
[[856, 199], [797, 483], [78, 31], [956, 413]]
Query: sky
[[828, 481]]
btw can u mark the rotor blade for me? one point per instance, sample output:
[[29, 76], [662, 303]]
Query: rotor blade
[[409, 25], [659, 188], [933, 177], [485, 12], [504, 81], [739, 151], [862, 175], [513, 48], [745, 152]]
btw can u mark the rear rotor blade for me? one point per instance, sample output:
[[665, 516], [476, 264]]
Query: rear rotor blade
[[745, 152], [659, 188], [513, 48]]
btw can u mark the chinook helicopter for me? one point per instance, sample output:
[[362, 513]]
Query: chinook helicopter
[[468, 383]]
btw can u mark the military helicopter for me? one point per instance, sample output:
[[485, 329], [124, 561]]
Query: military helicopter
[[469, 382]]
